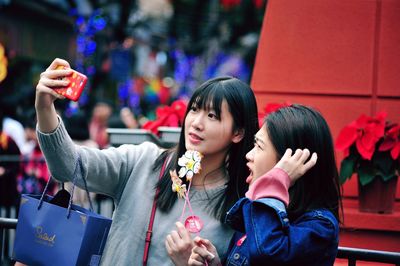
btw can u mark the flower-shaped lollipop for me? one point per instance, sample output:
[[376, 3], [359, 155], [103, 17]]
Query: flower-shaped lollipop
[[190, 164], [177, 184]]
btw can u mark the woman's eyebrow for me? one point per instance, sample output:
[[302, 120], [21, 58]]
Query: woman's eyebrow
[[257, 139]]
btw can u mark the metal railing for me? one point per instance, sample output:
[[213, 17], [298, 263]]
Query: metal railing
[[6, 224], [168, 136], [358, 254], [351, 254]]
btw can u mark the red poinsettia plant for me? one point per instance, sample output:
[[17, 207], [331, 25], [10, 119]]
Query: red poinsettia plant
[[371, 146]]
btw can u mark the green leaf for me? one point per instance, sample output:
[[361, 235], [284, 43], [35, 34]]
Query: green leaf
[[347, 168], [386, 178], [366, 174], [384, 163]]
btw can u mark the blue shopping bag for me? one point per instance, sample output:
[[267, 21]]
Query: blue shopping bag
[[49, 234]]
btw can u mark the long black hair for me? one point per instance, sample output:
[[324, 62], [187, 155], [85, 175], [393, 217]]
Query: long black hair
[[243, 108], [300, 127]]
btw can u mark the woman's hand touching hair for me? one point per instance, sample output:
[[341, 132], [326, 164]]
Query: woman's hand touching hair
[[298, 164]]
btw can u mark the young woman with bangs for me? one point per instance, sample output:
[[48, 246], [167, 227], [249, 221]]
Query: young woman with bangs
[[290, 215], [220, 123]]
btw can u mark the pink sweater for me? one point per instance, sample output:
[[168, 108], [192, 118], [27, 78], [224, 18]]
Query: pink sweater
[[274, 184]]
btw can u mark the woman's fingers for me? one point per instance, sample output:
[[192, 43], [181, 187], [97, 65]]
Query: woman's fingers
[[56, 74], [203, 253], [49, 80], [171, 244], [175, 236], [50, 83], [196, 260], [287, 154], [305, 154], [179, 240], [42, 88], [58, 62], [297, 164], [54, 78], [179, 245], [168, 244], [313, 160], [206, 250], [183, 232], [297, 155], [208, 245]]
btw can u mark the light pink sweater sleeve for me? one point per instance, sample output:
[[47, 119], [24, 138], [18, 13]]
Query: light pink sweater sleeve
[[274, 184]]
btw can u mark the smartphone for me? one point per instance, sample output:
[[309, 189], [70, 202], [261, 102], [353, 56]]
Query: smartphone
[[77, 82]]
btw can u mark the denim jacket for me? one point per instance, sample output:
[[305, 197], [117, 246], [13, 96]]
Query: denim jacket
[[265, 236]]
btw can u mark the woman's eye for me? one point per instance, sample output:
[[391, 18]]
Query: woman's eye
[[212, 116], [194, 108], [257, 146]]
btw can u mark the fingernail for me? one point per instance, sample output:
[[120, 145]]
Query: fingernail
[[179, 224], [210, 255]]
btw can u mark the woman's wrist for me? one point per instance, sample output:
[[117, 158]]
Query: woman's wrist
[[47, 119], [274, 184]]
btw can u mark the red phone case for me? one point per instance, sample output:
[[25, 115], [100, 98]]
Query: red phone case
[[77, 82]]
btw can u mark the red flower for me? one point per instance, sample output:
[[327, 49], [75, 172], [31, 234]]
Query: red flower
[[372, 147], [170, 116], [392, 141], [258, 3], [228, 4], [270, 108], [365, 131]]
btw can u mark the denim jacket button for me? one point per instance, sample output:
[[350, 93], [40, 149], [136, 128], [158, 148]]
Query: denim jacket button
[[236, 256]]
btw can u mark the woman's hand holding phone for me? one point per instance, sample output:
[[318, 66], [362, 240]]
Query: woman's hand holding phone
[[59, 81], [49, 80], [77, 82]]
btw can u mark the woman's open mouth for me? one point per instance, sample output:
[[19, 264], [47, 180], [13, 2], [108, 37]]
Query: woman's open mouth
[[250, 177]]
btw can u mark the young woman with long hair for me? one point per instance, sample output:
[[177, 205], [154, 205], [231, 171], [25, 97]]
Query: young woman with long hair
[[220, 122], [290, 215]]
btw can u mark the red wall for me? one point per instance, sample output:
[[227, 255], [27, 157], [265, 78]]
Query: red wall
[[342, 57]]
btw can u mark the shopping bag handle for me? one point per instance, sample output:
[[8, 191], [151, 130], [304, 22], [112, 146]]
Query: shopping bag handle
[[78, 164]]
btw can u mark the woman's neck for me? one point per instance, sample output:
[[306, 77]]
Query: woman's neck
[[212, 174]]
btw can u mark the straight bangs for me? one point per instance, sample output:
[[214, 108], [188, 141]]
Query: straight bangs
[[208, 98]]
